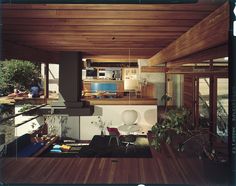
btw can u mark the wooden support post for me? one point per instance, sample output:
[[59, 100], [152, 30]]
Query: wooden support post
[[46, 80]]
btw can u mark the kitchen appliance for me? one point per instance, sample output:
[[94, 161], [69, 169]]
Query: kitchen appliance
[[101, 74], [91, 73]]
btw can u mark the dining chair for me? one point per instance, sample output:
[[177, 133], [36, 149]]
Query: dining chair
[[114, 133]]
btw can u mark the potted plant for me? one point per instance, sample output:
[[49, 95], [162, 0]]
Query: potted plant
[[166, 98], [176, 123], [102, 125], [173, 123]]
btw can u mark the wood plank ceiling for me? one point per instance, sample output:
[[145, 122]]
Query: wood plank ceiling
[[101, 32]]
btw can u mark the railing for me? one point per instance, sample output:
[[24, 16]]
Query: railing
[[22, 113], [8, 126]]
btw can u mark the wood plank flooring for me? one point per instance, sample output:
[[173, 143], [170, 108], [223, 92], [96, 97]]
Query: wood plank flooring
[[165, 167]]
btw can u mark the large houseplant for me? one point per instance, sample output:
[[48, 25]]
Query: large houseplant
[[173, 123], [177, 123]]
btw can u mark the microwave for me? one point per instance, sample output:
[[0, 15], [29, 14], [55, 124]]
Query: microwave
[[91, 73], [102, 74]]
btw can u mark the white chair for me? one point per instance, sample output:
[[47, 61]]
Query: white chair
[[129, 118]]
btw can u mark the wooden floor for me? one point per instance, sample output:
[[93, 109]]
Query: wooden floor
[[165, 167]]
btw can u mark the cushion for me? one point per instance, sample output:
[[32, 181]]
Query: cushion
[[18, 144], [30, 150]]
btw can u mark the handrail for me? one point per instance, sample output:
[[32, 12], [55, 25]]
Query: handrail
[[21, 113], [26, 121]]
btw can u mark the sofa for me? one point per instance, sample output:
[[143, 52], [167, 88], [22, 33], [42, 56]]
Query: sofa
[[23, 147]]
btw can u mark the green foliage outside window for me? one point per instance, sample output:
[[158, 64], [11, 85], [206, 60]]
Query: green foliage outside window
[[17, 73]]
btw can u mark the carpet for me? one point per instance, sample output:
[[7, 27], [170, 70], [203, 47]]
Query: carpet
[[99, 147]]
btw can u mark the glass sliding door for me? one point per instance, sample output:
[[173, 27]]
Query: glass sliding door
[[222, 106], [211, 103], [204, 102]]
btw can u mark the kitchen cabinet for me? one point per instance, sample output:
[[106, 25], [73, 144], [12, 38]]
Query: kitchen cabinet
[[148, 90], [99, 86]]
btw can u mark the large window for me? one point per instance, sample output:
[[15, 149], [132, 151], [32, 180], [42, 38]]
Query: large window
[[211, 103], [222, 106]]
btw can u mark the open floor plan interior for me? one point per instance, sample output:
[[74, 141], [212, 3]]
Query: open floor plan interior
[[114, 93]]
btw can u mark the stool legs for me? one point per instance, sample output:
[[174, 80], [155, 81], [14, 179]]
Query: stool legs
[[117, 140]]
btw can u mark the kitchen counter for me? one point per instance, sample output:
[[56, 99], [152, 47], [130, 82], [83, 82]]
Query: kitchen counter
[[122, 101], [102, 80]]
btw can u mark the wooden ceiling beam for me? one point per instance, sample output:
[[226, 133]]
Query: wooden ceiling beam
[[95, 45], [212, 53], [120, 50], [94, 33], [77, 41], [98, 22], [203, 70], [122, 59], [109, 38], [153, 69], [14, 51], [210, 32], [112, 58], [87, 37], [11, 28], [201, 6], [98, 14]]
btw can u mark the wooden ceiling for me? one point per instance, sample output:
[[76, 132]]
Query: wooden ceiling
[[101, 32]]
